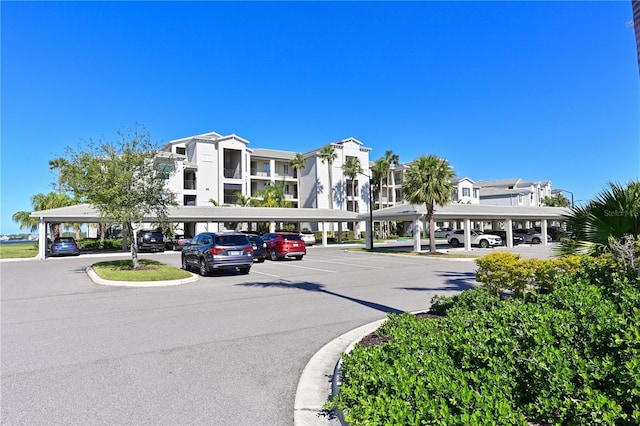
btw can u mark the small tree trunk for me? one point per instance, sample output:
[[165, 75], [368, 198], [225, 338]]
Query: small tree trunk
[[102, 231], [134, 248]]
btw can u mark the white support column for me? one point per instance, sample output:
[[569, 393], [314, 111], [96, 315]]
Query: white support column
[[339, 232], [324, 234], [416, 234], [272, 227], [543, 225], [42, 239], [467, 234], [508, 226]]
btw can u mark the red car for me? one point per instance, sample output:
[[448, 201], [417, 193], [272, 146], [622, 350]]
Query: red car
[[284, 245]]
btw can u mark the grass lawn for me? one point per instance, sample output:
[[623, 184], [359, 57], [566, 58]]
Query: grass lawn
[[121, 270], [18, 250]]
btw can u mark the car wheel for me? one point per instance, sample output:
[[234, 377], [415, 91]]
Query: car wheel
[[185, 265], [274, 255], [261, 260], [298, 257], [535, 240], [484, 243], [454, 242], [204, 269], [244, 271]]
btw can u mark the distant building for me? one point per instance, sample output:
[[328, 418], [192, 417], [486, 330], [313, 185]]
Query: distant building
[[513, 192]]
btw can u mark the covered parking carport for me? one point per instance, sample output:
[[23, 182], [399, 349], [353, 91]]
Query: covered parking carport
[[466, 212], [85, 213]]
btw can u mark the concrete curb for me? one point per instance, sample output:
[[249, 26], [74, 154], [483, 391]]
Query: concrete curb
[[315, 386], [96, 279]]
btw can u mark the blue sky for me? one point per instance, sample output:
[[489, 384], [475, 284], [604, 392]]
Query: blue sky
[[537, 90]]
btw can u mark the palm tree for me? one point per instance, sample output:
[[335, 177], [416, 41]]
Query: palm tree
[[58, 164], [241, 199], [273, 196], [328, 154], [613, 216], [428, 181], [297, 163], [391, 159], [40, 201], [378, 174], [351, 169]]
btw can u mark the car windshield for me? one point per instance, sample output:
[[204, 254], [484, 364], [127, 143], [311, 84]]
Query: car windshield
[[232, 240]]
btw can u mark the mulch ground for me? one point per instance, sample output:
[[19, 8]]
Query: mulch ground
[[373, 340]]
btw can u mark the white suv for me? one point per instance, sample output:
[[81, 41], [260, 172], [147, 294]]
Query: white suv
[[456, 238]]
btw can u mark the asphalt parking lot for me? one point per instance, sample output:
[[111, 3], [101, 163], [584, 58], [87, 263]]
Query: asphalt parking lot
[[225, 350]]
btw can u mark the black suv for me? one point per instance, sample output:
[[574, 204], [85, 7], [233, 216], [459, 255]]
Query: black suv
[[209, 251], [150, 241]]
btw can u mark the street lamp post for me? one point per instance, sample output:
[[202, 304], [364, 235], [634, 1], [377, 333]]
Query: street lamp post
[[564, 190]]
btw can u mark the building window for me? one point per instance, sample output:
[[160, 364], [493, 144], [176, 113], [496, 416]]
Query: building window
[[181, 150], [476, 192], [465, 192], [285, 169], [265, 168]]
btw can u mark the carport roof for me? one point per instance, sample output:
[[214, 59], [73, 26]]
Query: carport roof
[[85, 213], [471, 211]]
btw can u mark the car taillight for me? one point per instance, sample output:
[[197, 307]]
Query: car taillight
[[248, 250], [216, 251]]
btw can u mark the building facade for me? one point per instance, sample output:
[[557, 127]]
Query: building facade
[[213, 169]]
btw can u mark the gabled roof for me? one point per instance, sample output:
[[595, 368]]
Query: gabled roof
[[502, 183]]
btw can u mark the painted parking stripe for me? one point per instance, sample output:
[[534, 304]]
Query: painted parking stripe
[[264, 273], [346, 264], [314, 269]]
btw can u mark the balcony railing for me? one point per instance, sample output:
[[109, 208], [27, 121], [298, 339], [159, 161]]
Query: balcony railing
[[189, 184], [256, 172], [232, 174]]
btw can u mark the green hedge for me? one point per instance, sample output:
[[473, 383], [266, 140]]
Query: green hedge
[[571, 356]]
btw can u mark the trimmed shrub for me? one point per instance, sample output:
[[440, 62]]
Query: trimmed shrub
[[571, 356]]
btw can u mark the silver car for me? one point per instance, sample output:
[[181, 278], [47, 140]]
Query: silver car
[[209, 251], [531, 236]]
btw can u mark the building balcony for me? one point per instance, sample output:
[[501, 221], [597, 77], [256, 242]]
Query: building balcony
[[232, 173], [189, 184]]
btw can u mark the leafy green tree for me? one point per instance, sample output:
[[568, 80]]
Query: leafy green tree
[[298, 163], [612, 217], [328, 154], [428, 181], [124, 180], [558, 200], [40, 201]]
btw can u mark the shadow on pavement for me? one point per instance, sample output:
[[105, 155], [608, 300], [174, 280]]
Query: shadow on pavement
[[319, 288]]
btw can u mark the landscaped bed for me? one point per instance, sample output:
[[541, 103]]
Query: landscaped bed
[[570, 356]]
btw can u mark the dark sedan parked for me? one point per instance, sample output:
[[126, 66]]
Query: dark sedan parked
[[64, 245], [517, 239], [259, 248]]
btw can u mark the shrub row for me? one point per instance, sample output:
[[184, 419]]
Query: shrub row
[[568, 357]]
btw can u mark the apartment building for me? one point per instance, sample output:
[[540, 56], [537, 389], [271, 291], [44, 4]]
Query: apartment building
[[514, 192], [212, 168]]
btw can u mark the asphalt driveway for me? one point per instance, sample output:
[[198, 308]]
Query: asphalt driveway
[[225, 350]]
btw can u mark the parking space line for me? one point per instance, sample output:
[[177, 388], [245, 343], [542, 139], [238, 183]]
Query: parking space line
[[264, 273], [346, 264], [315, 269]]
